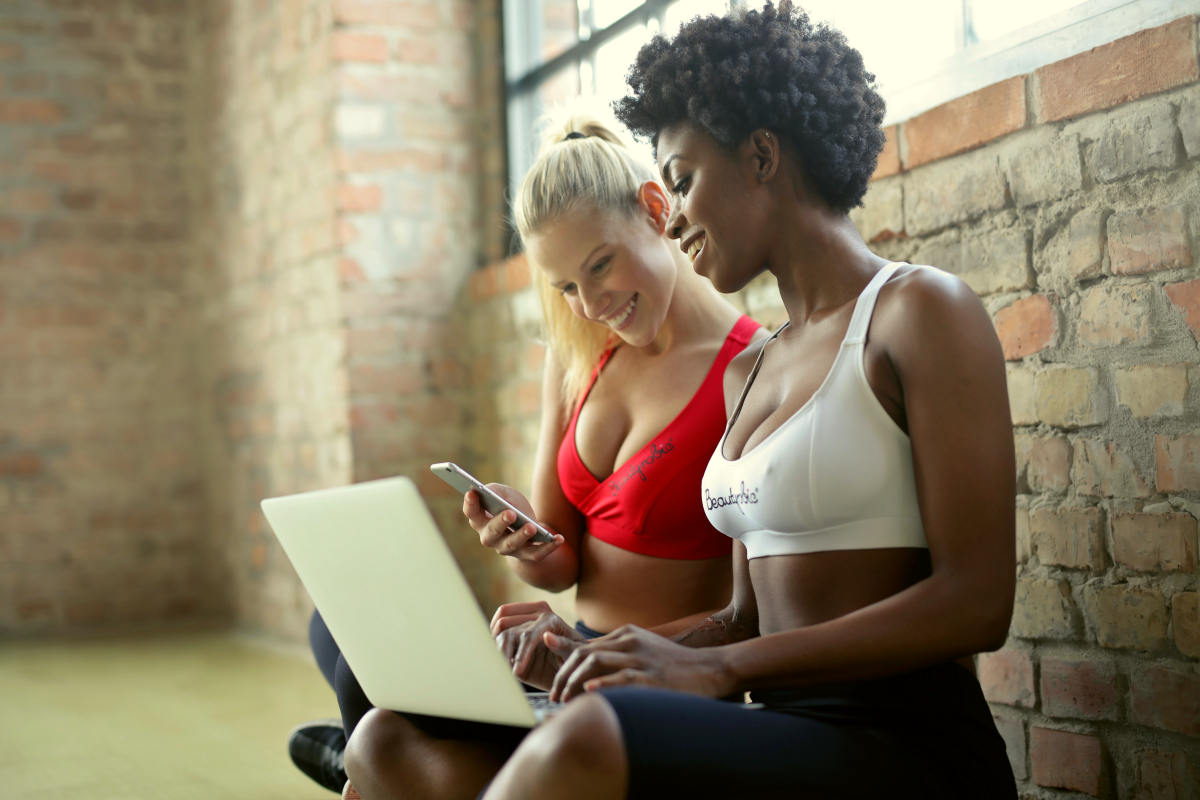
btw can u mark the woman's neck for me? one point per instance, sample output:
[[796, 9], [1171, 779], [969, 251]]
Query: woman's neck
[[821, 263], [696, 311]]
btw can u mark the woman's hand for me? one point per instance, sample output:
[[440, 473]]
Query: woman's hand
[[494, 531], [634, 656], [518, 628]]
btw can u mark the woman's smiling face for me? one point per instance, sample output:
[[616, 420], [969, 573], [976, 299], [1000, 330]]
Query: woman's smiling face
[[718, 205], [612, 268]]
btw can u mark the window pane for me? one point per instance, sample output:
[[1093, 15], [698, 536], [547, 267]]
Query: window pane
[[899, 42], [682, 11], [613, 60], [559, 28], [606, 12], [993, 19]]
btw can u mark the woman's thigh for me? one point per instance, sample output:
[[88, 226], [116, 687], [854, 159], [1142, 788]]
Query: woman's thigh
[[687, 746]]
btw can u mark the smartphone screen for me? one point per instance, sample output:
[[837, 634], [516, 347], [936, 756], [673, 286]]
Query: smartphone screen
[[493, 503]]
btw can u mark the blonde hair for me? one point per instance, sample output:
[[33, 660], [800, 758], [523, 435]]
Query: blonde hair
[[584, 163]]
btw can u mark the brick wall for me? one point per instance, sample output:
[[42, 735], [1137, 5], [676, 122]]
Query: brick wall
[[102, 506], [1068, 199], [268, 329], [420, 186]]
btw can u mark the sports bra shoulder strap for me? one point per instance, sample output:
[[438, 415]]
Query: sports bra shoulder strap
[[604, 357], [864, 307], [737, 408]]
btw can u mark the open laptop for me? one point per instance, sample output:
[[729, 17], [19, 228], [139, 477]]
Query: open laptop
[[389, 590]]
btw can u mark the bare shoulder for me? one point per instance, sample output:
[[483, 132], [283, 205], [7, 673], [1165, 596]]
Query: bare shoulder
[[923, 312]]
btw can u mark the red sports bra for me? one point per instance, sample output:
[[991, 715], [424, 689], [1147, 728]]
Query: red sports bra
[[651, 503]]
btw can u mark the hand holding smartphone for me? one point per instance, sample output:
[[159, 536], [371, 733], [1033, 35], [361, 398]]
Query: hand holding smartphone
[[493, 503]]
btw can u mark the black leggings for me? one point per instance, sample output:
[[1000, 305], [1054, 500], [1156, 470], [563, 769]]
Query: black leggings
[[926, 734], [353, 703]]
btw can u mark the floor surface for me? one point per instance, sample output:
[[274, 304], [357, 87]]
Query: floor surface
[[165, 717]]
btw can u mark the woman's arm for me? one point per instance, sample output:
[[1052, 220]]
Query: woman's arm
[[734, 623], [944, 349]]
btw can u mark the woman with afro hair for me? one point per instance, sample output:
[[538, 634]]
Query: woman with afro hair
[[866, 473]]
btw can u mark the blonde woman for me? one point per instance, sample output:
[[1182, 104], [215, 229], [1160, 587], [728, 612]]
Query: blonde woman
[[633, 404]]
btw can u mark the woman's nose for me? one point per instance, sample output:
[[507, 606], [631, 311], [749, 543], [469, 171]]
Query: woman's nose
[[593, 301], [675, 223]]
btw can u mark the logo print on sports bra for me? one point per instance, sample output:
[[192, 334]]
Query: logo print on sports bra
[[657, 451], [743, 497]]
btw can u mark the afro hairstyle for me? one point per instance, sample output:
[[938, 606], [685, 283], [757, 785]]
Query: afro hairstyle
[[731, 75]]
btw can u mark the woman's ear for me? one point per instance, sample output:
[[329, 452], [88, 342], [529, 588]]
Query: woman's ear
[[764, 148], [655, 203]]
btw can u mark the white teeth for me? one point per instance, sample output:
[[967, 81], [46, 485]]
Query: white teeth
[[616, 322], [695, 248]]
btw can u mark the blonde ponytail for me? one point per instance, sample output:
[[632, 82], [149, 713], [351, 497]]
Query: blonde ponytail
[[584, 164]]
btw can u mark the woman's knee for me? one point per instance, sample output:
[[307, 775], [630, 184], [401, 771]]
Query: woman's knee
[[380, 734], [585, 737]]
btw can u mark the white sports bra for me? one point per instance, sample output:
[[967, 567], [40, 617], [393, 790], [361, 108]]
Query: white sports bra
[[836, 475]]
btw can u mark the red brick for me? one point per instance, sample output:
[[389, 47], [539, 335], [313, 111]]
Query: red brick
[[1144, 63], [1025, 327], [358, 197], [1125, 616], [1147, 241], [1043, 610], [1154, 542], [1047, 462], [403, 159], [359, 47], [11, 52], [21, 465], [1177, 462], [25, 112], [1113, 315], [413, 50], [1185, 621], [1083, 689], [1068, 537], [1165, 775], [966, 122], [394, 380], [485, 282], [1166, 699], [1064, 760], [1187, 297], [1007, 677], [1101, 469], [350, 271], [11, 230], [889, 157], [387, 13]]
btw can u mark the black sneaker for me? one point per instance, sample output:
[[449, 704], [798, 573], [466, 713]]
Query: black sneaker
[[318, 750]]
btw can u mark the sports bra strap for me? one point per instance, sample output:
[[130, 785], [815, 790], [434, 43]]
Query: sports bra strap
[[864, 307]]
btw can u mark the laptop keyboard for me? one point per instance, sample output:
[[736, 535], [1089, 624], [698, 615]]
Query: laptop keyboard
[[541, 704]]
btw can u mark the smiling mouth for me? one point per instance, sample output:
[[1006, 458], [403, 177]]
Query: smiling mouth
[[695, 247], [618, 320]]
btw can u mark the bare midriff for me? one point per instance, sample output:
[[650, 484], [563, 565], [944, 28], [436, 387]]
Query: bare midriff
[[617, 586], [810, 588]]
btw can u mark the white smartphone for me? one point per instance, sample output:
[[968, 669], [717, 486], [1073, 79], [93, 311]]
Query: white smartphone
[[493, 503]]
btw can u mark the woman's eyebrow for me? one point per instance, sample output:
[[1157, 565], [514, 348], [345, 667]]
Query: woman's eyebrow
[[666, 167]]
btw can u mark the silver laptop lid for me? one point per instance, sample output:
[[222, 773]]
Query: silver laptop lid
[[390, 592]]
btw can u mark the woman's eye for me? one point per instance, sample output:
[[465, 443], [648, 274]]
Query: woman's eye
[[599, 266], [568, 289], [682, 187]]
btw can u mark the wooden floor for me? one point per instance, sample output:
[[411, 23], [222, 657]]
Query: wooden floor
[[166, 717]]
